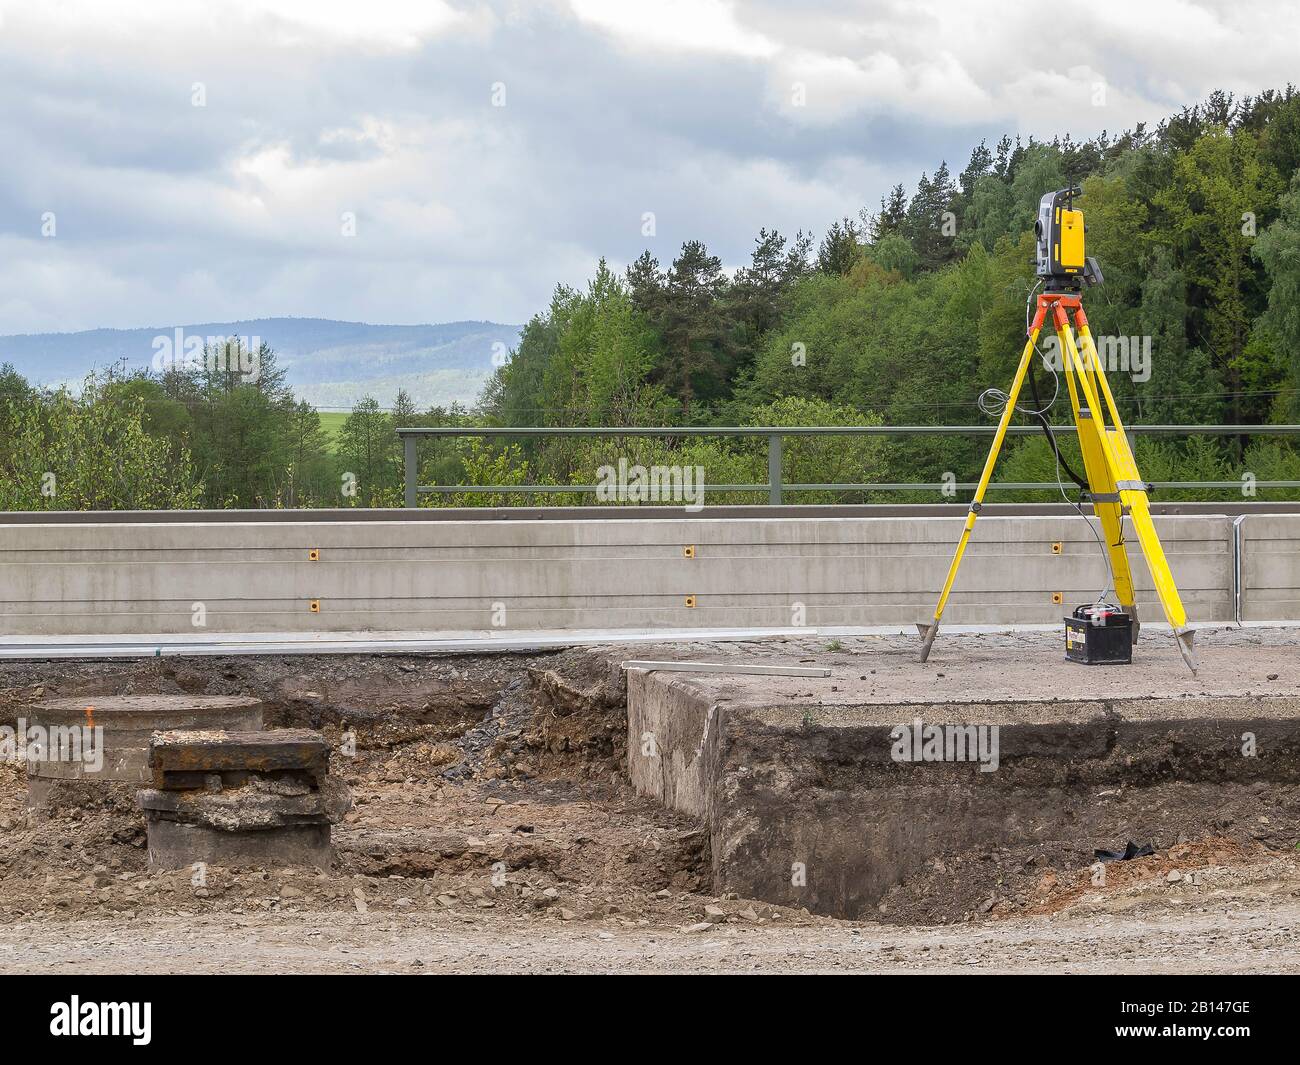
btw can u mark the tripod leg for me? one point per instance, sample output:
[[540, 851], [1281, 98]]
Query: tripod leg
[[1132, 489], [929, 631], [1101, 484], [1152, 550]]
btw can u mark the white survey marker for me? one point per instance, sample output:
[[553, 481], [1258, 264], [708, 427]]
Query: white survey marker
[[726, 667]]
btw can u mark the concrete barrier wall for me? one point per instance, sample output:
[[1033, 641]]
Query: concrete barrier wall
[[456, 576], [1270, 567]]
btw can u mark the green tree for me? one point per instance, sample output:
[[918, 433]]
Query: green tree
[[91, 452], [892, 219], [1278, 249], [310, 479], [931, 219], [1218, 183], [696, 335], [840, 248], [241, 414], [365, 448]]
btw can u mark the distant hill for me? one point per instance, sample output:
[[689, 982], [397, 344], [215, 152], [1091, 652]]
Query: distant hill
[[329, 364]]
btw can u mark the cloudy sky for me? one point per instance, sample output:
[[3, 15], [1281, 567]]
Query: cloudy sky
[[201, 160]]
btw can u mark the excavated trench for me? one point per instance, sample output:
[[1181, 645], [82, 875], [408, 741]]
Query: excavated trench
[[502, 784], [496, 782]]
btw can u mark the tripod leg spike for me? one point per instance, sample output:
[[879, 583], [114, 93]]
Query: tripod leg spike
[[928, 633], [1185, 638]]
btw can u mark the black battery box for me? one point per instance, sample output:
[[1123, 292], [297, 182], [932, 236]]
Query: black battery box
[[1099, 633]]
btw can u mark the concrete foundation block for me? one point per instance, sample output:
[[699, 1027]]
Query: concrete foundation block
[[828, 794], [104, 739], [173, 845], [241, 798]]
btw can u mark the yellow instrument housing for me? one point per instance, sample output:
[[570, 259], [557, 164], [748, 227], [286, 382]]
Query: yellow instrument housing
[[1069, 248]]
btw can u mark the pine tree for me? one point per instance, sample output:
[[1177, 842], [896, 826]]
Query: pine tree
[[693, 327], [981, 163], [892, 217], [931, 219], [839, 250]]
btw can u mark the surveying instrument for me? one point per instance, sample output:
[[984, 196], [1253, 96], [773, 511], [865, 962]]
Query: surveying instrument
[[1113, 486]]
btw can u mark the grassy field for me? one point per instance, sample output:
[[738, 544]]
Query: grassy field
[[332, 422]]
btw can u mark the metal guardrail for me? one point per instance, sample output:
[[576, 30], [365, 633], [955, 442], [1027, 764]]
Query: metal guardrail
[[775, 486], [595, 512]]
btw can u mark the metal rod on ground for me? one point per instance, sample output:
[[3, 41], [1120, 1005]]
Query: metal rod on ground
[[726, 667]]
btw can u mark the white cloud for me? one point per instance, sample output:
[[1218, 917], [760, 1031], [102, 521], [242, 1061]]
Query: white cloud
[[830, 88], [695, 25], [398, 22], [393, 23], [167, 211]]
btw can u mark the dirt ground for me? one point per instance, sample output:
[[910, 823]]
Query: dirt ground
[[493, 830]]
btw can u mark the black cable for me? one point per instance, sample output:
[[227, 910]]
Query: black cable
[[1037, 412], [993, 401]]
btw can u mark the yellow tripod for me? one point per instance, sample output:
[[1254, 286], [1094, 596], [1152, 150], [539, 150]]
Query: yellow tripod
[[1115, 487]]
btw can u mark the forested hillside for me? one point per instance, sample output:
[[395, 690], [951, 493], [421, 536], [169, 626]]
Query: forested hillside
[[906, 313], [901, 315]]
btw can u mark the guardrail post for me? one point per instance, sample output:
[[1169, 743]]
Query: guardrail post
[[412, 471], [1238, 566], [774, 469]]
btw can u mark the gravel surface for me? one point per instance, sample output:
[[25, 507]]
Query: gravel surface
[[1239, 933]]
